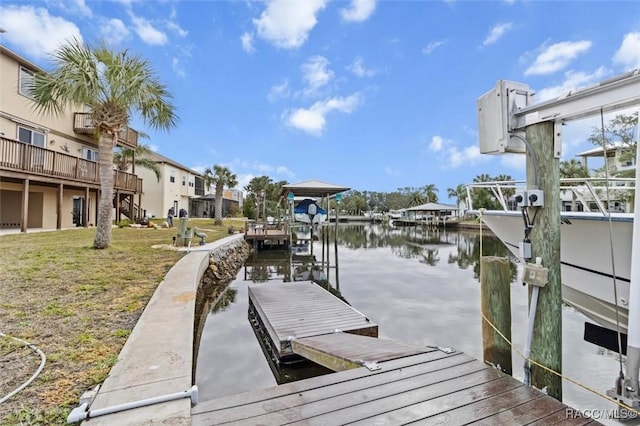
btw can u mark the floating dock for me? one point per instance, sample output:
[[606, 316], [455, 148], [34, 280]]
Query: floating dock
[[291, 311]]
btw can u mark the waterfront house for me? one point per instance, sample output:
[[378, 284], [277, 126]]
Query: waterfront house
[[49, 177]]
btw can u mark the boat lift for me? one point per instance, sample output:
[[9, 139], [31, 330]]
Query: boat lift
[[503, 114]]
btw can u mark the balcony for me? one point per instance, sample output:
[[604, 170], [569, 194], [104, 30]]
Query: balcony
[[82, 124], [21, 157]]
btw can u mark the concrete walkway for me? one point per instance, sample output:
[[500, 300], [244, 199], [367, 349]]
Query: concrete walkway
[[157, 359]]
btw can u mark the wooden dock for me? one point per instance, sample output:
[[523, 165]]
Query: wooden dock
[[378, 381], [288, 311], [430, 388], [262, 235]]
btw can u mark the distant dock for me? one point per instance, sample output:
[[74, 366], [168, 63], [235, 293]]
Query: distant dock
[[378, 381]]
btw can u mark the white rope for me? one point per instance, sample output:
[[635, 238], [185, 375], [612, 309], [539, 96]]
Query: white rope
[[43, 360]]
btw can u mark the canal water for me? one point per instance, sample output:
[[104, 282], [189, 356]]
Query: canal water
[[420, 286]]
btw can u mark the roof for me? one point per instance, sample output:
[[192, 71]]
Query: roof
[[599, 151], [312, 188], [154, 156], [431, 207]]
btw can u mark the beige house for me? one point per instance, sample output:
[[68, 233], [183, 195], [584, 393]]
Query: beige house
[[178, 184], [48, 164]]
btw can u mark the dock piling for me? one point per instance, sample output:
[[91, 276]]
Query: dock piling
[[495, 296]]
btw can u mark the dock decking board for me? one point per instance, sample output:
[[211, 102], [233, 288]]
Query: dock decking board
[[340, 351], [428, 387], [422, 385], [303, 309]]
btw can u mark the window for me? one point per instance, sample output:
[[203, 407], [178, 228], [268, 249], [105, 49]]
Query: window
[[31, 137], [89, 154], [172, 177], [26, 80], [184, 180]]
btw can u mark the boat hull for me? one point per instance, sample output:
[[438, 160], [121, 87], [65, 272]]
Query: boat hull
[[587, 269]]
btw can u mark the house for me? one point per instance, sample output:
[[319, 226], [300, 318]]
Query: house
[[178, 185], [618, 161], [618, 158], [49, 176], [181, 187]]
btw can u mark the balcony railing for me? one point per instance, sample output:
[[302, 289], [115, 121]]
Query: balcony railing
[[82, 123], [19, 156]]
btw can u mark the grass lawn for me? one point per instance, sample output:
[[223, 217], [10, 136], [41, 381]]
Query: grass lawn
[[78, 305]]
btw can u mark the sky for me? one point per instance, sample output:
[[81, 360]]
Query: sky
[[371, 95]]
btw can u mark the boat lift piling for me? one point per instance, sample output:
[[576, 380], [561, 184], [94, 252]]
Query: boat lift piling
[[509, 122], [495, 297]]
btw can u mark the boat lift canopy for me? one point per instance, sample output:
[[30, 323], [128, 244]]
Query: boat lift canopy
[[312, 188]]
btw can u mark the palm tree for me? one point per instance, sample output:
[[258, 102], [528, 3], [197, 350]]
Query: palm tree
[[430, 193], [220, 177], [124, 158], [112, 85], [458, 192], [416, 198], [573, 169]]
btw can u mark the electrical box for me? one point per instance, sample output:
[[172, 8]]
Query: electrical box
[[496, 120], [535, 197], [524, 249], [534, 274], [521, 198]]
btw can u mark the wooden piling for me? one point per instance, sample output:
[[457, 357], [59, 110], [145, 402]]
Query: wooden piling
[[495, 296], [546, 342]]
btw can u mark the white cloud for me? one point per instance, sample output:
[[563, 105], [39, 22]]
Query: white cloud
[[316, 74], [46, 32], [259, 168], [114, 31], [358, 10], [147, 32], [628, 55], [173, 26], [313, 121], [357, 67], [178, 68], [515, 162], [287, 23], [497, 32], [279, 91], [436, 143], [154, 148], [247, 42], [467, 156], [433, 46], [74, 7], [557, 56], [572, 81], [451, 156]]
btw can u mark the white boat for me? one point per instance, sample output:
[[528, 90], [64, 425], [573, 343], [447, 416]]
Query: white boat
[[308, 211], [587, 268]]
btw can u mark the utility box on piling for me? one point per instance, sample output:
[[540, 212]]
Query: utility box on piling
[[184, 234], [495, 117]]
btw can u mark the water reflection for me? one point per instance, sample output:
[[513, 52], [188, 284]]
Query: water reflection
[[418, 285]]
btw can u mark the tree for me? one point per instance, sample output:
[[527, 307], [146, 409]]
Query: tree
[[430, 193], [620, 131], [481, 197], [458, 193], [113, 85], [124, 158], [573, 169], [220, 177]]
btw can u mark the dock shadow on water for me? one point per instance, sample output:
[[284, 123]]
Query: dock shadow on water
[[418, 285]]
